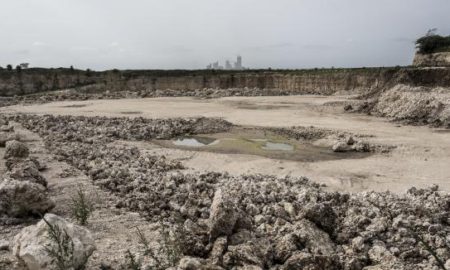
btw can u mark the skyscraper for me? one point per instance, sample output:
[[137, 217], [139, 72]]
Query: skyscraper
[[238, 64], [228, 65]]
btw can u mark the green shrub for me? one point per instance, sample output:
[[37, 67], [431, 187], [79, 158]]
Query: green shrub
[[432, 43], [81, 206]]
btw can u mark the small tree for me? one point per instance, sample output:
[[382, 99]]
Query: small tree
[[18, 68], [81, 206], [431, 43], [9, 67]]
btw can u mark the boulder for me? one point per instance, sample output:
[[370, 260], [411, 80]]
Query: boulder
[[11, 162], [4, 245], [307, 261], [350, 140], [223, 215], [361, 146], [286, 246], [6, 128], [311, 237], [257, 252], [16, 149], [3, 121], [26, 170], [322, 215], [341, 147], [31, 244], [217, 251], [23, 198], [191, 263]]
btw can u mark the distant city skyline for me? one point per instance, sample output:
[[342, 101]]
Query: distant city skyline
[[228, 66], [181, 34]]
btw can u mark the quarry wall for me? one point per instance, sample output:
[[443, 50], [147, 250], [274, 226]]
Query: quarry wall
[[441, 59], [320, 81]]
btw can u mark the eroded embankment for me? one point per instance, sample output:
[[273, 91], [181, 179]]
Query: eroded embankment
[[314, 81], [413, 95], [412, 105], [254, 220]]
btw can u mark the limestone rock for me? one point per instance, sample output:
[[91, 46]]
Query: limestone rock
[[316, 240], [29, 246], [322, 215], [16, 149], [361, 146], [219, 247], [26, 170], [6, 128], [341, 147], [3, 139], [4, 245], [191, 263], [286, 246], [223, 215], [23, 198], [303, 260]]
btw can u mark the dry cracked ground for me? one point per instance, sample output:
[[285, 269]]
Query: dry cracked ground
[[291, 182]]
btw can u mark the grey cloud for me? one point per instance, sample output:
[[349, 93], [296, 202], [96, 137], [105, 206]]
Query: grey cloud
[[101, 34]]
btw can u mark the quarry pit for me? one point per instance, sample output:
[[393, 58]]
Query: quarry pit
[[317, 169]]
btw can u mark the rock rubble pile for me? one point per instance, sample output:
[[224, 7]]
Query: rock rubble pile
[[23, 190], [412, 105], [252, 221], [199, 93]]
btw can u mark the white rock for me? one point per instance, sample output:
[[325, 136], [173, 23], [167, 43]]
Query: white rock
[[289, 208], [341, 147], [29, 246]]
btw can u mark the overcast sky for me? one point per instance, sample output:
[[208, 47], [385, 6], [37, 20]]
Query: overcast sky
[[166, 34]]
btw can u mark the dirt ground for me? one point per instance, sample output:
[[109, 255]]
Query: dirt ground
[[420, 159], [114, 230]]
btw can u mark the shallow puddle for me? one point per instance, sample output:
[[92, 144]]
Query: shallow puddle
[[278, 146], [195, 141], [257, 142]]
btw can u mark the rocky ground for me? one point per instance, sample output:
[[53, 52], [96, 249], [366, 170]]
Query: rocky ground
[[412, 105], [419, 105], [208, 220], [74, 94]]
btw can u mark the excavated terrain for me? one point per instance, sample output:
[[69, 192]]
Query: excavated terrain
[[354, 192]]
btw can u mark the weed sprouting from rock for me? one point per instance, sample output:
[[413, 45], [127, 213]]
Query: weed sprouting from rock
[[61, 249]]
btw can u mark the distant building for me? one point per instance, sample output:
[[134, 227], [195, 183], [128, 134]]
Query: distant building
[[238, 64], [228, 65]]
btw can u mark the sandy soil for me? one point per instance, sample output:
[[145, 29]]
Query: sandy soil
[[420, 159]]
